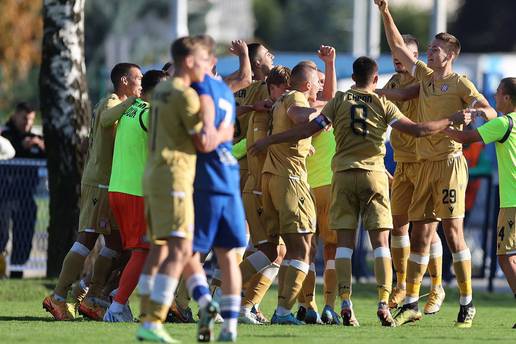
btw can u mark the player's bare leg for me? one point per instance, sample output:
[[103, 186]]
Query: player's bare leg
[[400, 251], [343, 255], [383, 273], [298, 255], [453, 230]]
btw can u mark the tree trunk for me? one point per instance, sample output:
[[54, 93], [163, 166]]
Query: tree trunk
[[65, 108]]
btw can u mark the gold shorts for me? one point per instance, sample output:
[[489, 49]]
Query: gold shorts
[[95, 214], [506, 232], [288, 206], [360, 193], [322, 196], [244, 173], [405, 177], [440, 190], [170, 216]]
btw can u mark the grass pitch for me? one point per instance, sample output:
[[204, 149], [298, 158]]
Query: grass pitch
[[22, 320]]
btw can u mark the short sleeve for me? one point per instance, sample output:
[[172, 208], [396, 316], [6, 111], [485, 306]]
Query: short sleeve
[[190, 115], [298, 99], [201, 88], [392, 113], [421, 72], [493, 130], [329, 110], [468, 92]]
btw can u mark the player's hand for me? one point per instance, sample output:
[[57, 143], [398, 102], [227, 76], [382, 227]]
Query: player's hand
[[383, 5], [262, 105], [226, 132], [461, 117], [311, 150], [258, 147], [239, 48], [477, 113], [210, 138], [326, 53]]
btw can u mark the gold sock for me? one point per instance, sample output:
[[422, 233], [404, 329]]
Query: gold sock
[[301, 297], [70, 272], [247, 269], [259, 285], [157, 313], [101, 272], [435, 265], [144, 306], [416, 268], [330, 283], [182, 298], [308, 289], [383, 272], [462, 267], [343, 269], [294, 278], [400, 250]]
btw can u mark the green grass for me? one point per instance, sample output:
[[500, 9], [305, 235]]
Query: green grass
[[23, 320]]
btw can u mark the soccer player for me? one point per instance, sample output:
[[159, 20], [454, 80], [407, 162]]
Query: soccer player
[[319, 177], [442, 176], [219, 212], [95, 217], [125, 187], [288, 206], [359, 185], [175, 133], [260, 268], [405, 175], [502, 132], [261, 64]]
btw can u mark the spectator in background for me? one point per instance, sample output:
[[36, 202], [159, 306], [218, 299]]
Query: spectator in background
[[17, 186]]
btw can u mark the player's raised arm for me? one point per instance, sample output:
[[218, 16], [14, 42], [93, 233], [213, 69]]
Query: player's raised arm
[[244, 75], [327, 54], [394, 38], [110, 116]]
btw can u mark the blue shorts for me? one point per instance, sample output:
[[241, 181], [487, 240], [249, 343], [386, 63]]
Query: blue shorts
[[219, 221]]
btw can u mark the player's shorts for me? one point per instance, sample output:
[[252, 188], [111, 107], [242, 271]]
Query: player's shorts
[[219, 221], [440, 190], [129, 211], [244, 173], [403, 182], [288, 206], [322, 196], [506, 232], [95, 214], [169, 216], [356, 193]]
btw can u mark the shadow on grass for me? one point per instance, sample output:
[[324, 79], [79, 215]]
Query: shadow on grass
[[31, 318]]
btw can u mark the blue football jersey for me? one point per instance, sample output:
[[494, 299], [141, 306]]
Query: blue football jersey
[[218, 171]]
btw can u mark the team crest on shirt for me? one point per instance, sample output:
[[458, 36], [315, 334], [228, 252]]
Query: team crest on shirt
[[444, 88]]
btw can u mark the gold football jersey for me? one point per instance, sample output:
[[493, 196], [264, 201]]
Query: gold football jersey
[[172, 155], [360, 121]]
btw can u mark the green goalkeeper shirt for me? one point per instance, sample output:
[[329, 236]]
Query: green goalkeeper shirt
[[130, 152]]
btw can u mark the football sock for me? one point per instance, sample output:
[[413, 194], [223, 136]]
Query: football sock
[[400, 249], [229, 310], [71, 270], [462, 267], [330, 283], [343, 269], [161, 298], [383, 272], [294, 277], [259, 285], [101, 271], [145, 285], [130, 275], [252, 264], [308, 289], [281, 275], [416, 267], [435, 264], [182, 298], [198, 289]]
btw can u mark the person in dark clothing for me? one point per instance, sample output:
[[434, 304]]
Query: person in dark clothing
[[18, 184]]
